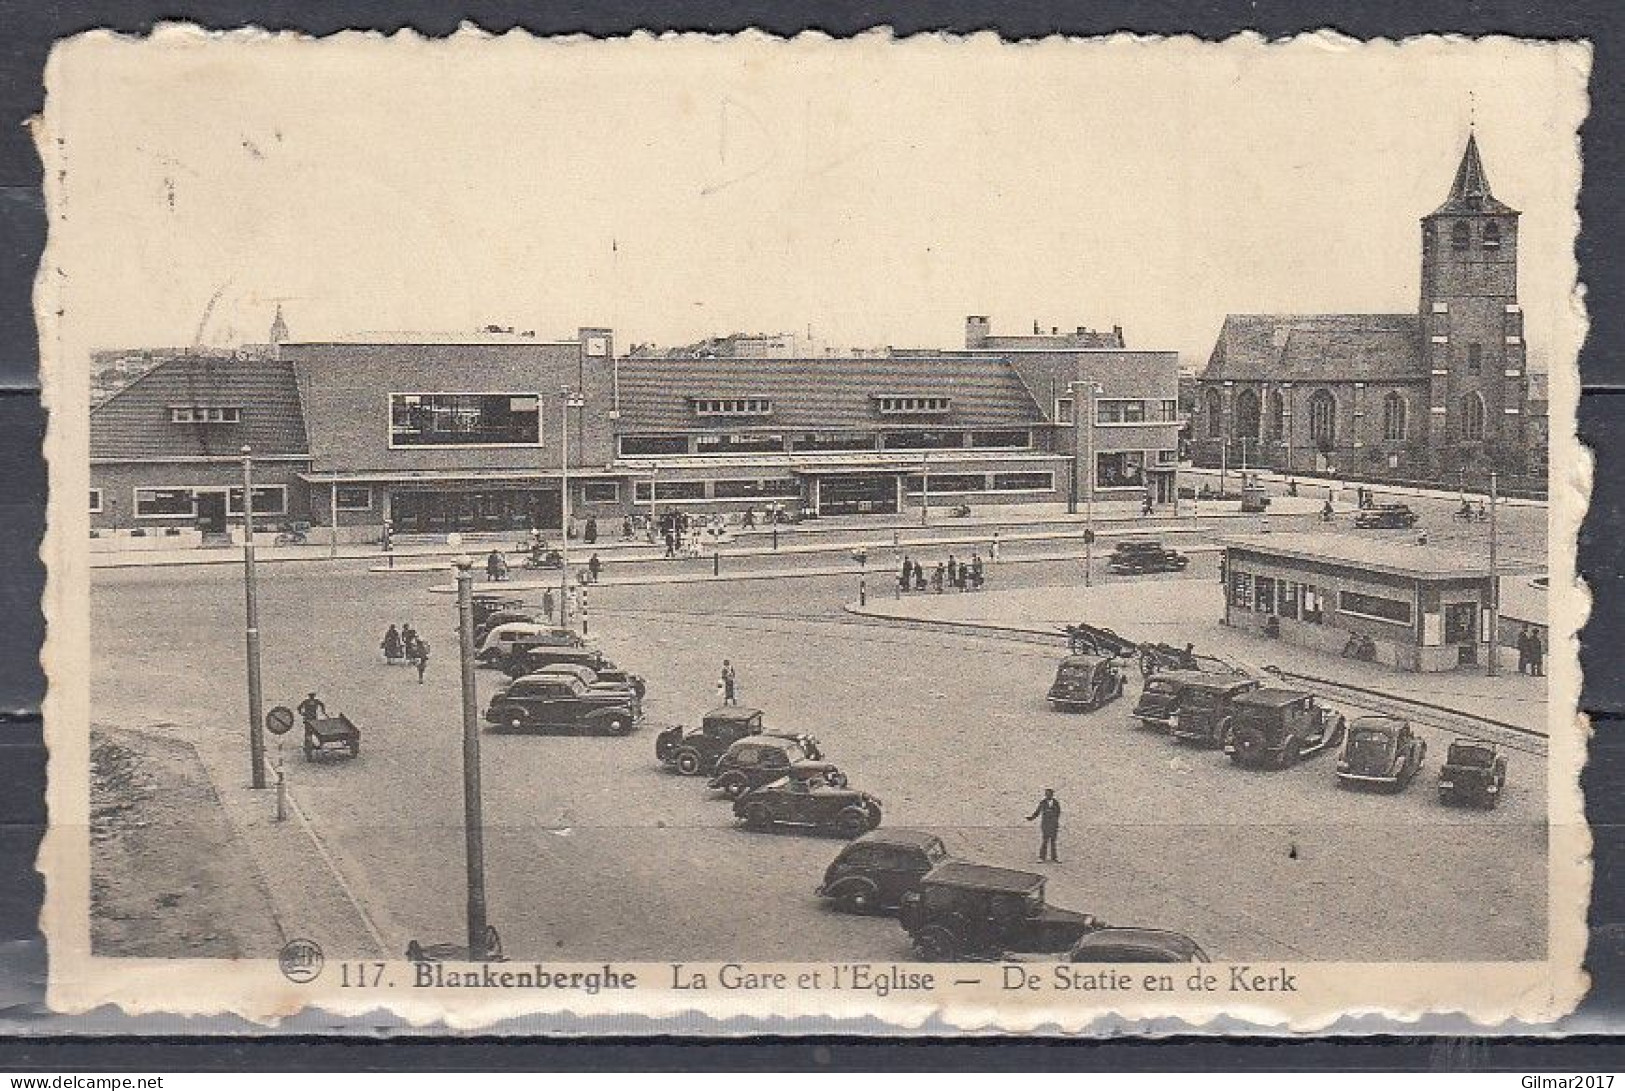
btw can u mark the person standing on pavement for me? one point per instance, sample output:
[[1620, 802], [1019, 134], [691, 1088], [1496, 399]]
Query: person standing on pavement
[[937, 577], [1523, 650], [1537, 654], [590, 535], [730, 682], [953, 571], [1049, 827], [548, 605], [976, 571], [993, 550], [594, 566], [393, 648], [409, 639], [906, 580], [311, 708], [422, 659]]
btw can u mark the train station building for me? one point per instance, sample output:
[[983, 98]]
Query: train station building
[[1423, 607], [475, 434]]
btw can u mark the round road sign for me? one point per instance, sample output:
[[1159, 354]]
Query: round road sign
[[279, 721]]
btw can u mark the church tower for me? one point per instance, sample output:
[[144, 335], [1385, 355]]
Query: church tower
[[1471, 321]]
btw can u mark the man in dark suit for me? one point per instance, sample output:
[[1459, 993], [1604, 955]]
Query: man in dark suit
[[1049, 827]]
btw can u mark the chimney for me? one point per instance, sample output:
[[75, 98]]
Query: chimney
[[977, 330], [1117, 335]]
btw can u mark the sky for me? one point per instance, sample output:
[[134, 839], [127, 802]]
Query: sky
[[874, 192]]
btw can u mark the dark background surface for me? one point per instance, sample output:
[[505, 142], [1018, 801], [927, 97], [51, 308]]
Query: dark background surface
[[29, 27]]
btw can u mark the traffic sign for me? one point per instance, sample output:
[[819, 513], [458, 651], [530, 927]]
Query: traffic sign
[[279, 721]]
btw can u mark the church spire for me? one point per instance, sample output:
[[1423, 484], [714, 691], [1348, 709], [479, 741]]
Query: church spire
[[1470, 192], [279, 328]]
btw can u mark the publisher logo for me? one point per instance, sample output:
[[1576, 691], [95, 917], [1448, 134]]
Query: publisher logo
[[301, 961]]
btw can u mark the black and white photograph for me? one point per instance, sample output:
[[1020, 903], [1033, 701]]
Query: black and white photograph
[[911, 528]]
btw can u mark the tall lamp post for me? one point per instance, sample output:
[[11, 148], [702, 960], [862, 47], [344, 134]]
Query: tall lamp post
[[473, 820], [1491, 664], [1083, 448], [256, 698], [568, 400]]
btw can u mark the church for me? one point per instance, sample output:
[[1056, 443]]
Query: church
[[1441, 394]]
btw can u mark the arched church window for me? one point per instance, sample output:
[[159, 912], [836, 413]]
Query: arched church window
[[1472, 417], [1215, 415], [1275, 418], [1394, 412], [1323, 419], [1247, 414], [1460, 235], [1492, 236]]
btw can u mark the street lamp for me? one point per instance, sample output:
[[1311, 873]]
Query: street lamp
[[568, 400], [256, 699], [1083, 449], [1491, 665], [473, 821]]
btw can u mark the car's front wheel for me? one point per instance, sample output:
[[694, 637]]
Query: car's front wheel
[[935, 943], [758, 816], [515, 720], [852, 822], [733, 786], [688, 762], [618, 725], [856, 897]]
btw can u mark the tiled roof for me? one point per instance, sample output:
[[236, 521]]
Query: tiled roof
[[824, 393], [1326, 347], [135, 423], [1470, 192]]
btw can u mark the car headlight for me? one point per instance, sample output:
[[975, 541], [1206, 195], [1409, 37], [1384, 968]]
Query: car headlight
[[1342, 767], [1447, 784]]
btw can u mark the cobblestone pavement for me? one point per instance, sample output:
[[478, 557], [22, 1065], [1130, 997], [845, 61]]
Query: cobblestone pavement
[[593, 851]]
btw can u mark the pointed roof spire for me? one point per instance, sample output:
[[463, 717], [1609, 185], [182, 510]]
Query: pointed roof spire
[[279, 328], [1470, 192]]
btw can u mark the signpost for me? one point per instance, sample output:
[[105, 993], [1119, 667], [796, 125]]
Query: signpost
[[279, 721]]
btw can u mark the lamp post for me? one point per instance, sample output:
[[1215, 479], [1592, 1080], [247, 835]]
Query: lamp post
[[1083, 450], [568, 400], [256, 699], [1491, 666], [333, 517], [925, 488], [473, 821]]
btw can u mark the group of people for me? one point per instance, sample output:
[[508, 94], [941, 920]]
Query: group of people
[[952, 573], [401, 644], [1531, 652]]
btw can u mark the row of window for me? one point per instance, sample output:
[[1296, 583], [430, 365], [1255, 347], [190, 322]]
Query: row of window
[[732, 407], [205, 414], [898, 405], [1109, 411], [1299, 601], [465, 420], [172, 502], [1461, 236], [1270, 428], [1016, 481], [736, 443], [1128, 469], [778, 488]]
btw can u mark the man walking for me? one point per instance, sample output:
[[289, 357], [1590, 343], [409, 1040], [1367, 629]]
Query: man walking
[[1537, 654], [312, 709], [729, 684], [594, 566], [1523, 650], [422, 658], [1049, 826]]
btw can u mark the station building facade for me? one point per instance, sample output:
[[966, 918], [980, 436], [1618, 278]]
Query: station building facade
[[434, 437]]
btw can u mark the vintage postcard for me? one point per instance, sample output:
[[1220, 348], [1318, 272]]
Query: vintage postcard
[[961, 534]]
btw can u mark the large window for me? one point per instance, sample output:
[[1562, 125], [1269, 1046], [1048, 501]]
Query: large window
[[738, 443], [1394, 412], [1026, 481], [95, 501], [949, 483], [1376, 607], [354, 498], [1213, 410], [158, 503], [1460, 235], [1248, 414], [1241, 590], [1275, 419], [268, 500], [465, 420], [1120, 469], [154, 503], [601, 492], [1063, 411], [922, 441], [754, 489], [1492, 236], [1472, 417], [632, 446], [671, 490], [1135, 411], [832, 441], [1323, 419], [1015, 437]]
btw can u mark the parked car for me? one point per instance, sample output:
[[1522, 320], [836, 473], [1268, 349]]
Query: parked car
[[1136, 945], [1254, 499], [1382, 751], [1137, 558], [530, 658], [876, 870], [1085, 682], [761, 759], [812, 802], [1386, 517], [1279, 727], [502, 617], [1474, 774], [698, 751], [963, 910], [1192, 705], [610, 681], [486, 604], [500, 641], [562, 703]]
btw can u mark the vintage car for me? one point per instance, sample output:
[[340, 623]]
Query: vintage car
[[761, 759], [1085, 682], [486, 604], [1382, 751], [503, 617], [610, 681], [500, 641], [876, 870], [963, 911], [1193, 705], [812, 802], [1136, 558], [1136, 945], [1385, 517], [698, 751], [530, 658], [1279, 727], [555, 702], [1474, 774]]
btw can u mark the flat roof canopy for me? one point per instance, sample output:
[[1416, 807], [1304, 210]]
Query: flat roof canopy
[[448, 477], [1374, 554]]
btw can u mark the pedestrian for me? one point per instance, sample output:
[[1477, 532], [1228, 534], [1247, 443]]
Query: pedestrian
[[730, 682], [594, 566], [937, 578], [1049, 826], [976, 571], [953, 571], [548, 604], [919, 576], [494, 565], [409, 639], [906, 579], [1145, 503], [1523, 650], [393, 648], [422, 659], [1537, 654], [590, 535], [311, 708], [993, 550]]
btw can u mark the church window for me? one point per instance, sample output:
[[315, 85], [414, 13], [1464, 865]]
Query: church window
[[1247, 415], [1460, 235], [1475, 359], [1394, 412], [1492, 236], [1472, 418], [1275, 420], [1323, 419], [1215, 415]]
